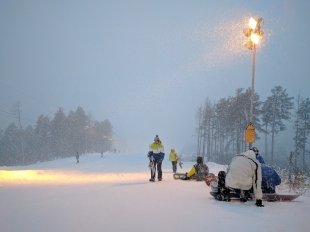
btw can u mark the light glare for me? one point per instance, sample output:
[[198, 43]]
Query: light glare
[[252, 23], [255, 38], [55, 177]]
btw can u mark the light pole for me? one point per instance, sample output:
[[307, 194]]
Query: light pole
[[254, 34]]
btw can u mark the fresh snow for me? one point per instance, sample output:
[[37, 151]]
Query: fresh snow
[[113, 194]]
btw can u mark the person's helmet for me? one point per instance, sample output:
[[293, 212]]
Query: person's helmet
[[156, 138], [255, 149], [199, 160]]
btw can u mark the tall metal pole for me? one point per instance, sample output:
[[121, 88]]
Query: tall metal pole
[[253, 89], [253, 33]]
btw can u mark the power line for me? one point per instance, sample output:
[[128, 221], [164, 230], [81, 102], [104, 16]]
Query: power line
[[16, 116], [8, 113]]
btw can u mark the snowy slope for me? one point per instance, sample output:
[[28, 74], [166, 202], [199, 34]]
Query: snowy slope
[[113, 194]]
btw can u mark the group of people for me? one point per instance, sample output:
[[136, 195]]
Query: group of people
[[156, 156], [246, 173]]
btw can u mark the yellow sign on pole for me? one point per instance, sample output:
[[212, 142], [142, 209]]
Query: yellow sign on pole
[[250, 133]]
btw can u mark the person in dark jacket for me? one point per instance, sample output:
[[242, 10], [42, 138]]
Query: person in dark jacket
[[77, 156], [258, 156], [270, 178]]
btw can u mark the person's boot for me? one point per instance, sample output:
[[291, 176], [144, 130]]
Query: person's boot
[[219, 197], [227, 198], [243, 197]]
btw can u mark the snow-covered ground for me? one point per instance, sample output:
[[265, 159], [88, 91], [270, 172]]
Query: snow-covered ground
[[113, 194]]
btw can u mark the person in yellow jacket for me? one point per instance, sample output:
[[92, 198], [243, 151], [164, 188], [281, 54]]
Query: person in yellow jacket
[[173, 157], [156, 155], [199, 171]]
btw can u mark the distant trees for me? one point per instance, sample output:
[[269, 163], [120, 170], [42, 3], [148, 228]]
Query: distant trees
[[43, 138], [276, 109], [302, 130], [58, 129], [221, 127], [10, 146], [205, 117], [59, 137]]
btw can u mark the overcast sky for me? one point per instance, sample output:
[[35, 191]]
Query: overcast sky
[[145, 65]]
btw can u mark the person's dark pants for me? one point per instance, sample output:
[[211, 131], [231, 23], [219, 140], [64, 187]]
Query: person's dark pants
[[157, 166], [268, 190], [174, 166]]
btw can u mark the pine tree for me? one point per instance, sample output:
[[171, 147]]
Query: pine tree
[[278, 105], [58, 132], [42, 133], [302, 129]]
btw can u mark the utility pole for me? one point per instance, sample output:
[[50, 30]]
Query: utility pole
[[21, 132]]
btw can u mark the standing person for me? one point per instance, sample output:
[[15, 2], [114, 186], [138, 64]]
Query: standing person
[[245, 173], [173, 157], [156, 155], [77, 156]]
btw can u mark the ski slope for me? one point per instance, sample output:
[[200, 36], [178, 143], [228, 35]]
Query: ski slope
[[113, 194]]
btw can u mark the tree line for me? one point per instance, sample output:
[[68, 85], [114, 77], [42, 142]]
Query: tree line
[[59, 137], [221, 126]]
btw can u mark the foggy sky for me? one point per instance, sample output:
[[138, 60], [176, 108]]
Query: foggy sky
[[145, 65]]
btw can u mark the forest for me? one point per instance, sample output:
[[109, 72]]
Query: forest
[[59, 137], [221, 127], [220, 132]]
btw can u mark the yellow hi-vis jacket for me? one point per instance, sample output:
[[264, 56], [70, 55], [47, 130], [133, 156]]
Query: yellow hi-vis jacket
[[173, 156], [157, 148]]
